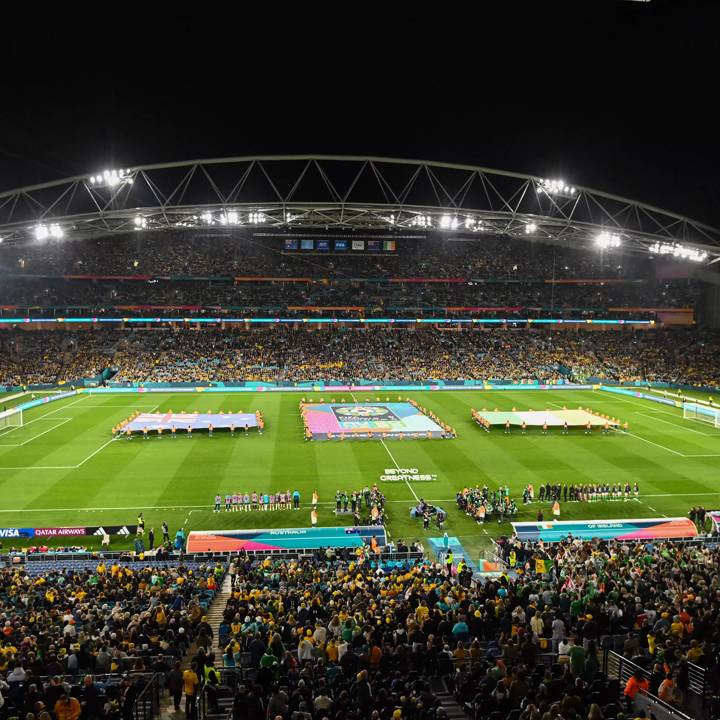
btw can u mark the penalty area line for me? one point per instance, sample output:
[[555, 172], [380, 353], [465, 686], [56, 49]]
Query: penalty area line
[[650, 442], [35, 437], [673, 424]]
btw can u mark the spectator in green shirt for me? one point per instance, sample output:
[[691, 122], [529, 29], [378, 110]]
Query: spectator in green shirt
[[577, 660]]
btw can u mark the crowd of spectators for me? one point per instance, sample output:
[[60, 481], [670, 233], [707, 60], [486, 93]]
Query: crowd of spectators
[[285, 354], [491, 272], [519, 298], [65, 631], [241, 254], [28, 358], [343, 639]]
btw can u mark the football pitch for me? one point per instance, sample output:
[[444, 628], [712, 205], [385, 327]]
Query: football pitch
[[63, 469]]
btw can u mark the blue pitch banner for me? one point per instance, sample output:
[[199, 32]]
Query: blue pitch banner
[[284, 538], [639, 529]]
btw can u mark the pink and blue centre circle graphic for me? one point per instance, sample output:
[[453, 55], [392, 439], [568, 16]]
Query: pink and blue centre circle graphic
[[363, 411]]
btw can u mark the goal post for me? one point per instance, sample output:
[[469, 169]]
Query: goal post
[[11, 418], [701, 413]]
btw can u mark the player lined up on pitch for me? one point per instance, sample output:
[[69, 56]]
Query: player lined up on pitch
[[483, 505], [245, 502]]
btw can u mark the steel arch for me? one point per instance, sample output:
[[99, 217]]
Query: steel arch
[[342, 193]]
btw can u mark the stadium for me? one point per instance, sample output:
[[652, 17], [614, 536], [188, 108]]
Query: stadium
[[385, 375]]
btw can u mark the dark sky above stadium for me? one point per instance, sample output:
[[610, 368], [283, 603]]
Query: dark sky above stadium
[[619, 96]]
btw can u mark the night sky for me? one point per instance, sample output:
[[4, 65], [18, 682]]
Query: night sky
[[619, 96]]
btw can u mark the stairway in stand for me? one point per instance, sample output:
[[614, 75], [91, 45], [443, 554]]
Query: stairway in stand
[[214, 614], [453, 709]]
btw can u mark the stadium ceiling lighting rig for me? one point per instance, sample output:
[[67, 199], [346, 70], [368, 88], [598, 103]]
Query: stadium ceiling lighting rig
[[112, 178], [423, 221], [679, 251], [555, 187], [608, 240], [140, 222], [43, 232], [448, 223], [232, 217], [474, 224], [358, 193], [256, 218], [530, 228]]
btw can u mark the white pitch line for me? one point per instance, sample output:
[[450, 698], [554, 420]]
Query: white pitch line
[[93, 454], [35, 437], [647, 404], [663, 447], [652, 509], [681, 427], [398, 467], [44, 415], [387, 450], [30, 422], [209, 506]]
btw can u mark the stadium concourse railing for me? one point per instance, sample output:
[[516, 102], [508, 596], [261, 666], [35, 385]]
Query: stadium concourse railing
[[695, 703], [145, 706], [19, 557]]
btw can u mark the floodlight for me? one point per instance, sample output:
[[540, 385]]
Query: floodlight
[[530, 228], [140, 222], [607, 240], [207, 217], [448, 223], [555, 187], [679, 251], [112, 178]]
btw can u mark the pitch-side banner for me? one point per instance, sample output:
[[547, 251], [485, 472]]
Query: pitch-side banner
[[62, 532], [641, 529]]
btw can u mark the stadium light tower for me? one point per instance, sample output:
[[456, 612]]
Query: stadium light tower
[[555, 188], [112, 178]]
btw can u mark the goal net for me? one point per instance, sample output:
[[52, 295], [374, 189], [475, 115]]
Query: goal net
[[11, 418], [702, 413]]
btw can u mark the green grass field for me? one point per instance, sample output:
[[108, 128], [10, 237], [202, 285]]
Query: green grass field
[[62, 468]]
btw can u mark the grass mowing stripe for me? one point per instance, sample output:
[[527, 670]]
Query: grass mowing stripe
[[35, 437], [667, 422], [130, 476], [395, 462]]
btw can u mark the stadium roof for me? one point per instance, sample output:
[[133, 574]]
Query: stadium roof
[[345, 193]]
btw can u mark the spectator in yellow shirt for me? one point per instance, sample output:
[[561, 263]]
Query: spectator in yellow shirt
[[67, 708]]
